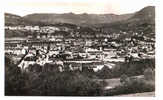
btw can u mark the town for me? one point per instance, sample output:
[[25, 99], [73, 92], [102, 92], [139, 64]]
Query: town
[[73, 48]]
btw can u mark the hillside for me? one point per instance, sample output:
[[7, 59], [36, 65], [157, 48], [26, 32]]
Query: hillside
[[11, 19], [79, 19], [14, 20], [146, 15], [141, 21]]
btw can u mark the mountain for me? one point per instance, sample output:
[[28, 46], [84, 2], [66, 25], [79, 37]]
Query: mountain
[[140, 21], [143, 21], [11, 19], [78, 19], [70, 18], [14, 20], [146, 14]]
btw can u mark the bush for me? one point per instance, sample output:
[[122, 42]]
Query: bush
[[63, 84], [48, 81], [104, 73], [132, 68], [14, 79], [149, 74], [124, 79]]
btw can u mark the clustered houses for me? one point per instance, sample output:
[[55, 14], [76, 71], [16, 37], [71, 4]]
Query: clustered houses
[[21, 27], [72, 50], [43, 29]]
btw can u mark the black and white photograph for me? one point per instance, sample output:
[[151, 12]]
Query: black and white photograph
[[79, 48]]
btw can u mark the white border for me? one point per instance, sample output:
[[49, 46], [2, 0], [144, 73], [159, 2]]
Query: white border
[[159, 67]]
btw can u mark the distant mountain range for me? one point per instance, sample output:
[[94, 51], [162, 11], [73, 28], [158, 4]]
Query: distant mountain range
[[140, 20], [78, 19]]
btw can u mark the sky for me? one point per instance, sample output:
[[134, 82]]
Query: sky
[[24, 7]]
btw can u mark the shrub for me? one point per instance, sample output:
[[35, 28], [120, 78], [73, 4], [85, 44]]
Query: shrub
[[48, 81], [124, 79], [149, 74], [104, 73], [63, 84], [14, 79]]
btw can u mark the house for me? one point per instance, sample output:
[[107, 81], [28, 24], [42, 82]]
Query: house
[[29, 59]]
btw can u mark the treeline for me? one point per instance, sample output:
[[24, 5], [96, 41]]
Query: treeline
[[132, 68], [16, 33], [48, 83]]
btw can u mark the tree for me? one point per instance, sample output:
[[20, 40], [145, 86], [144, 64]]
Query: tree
[[149, 74], [105, 73], [14, 80], [124, 79], [62, 84]]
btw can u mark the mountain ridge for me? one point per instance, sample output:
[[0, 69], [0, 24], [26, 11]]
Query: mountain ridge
[[77, 19], [143, 19]]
